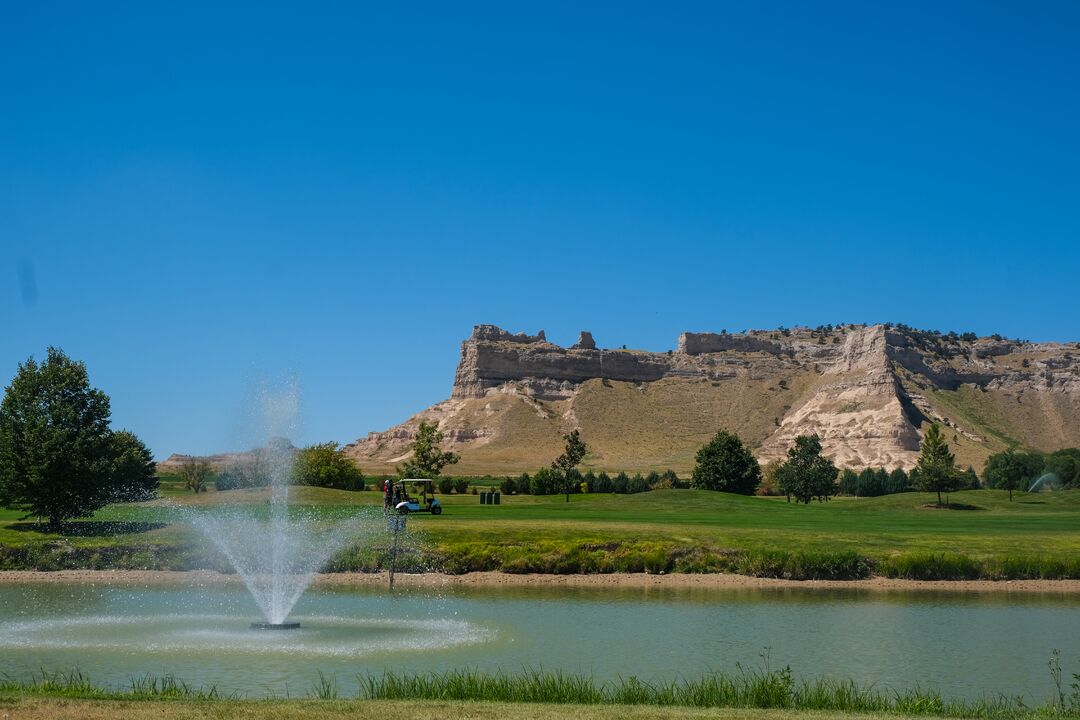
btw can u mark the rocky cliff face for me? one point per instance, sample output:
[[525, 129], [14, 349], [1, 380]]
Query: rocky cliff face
[[867, 391]]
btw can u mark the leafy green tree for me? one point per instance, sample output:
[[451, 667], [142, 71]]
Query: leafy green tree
[[326, 465], [937, 464], [461, 485], [969, 479], [669, 479], [571, 457], [134, 470], [507, 486], [544, 482], [807, 474], [58, 457], [252, 471], [428, 459], [1007, 471], [726, 465], [770, 479], [195, 473], [446, 485], [1065, 464]]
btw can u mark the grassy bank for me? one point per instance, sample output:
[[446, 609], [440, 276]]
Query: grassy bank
[[39, 708], [764, 689], [982, 535]]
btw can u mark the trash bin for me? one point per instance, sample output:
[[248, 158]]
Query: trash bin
[[494, 498], [483, 498]]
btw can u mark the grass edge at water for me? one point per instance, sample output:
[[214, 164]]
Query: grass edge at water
[[747, 688]]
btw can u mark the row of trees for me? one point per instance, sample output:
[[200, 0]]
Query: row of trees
[[548, 482], [726, 464], [1011, 470]]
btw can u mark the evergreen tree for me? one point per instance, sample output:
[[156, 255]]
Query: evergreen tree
[[898, 481], [134, 470], [937, 465], [849, 482], [524, 484]]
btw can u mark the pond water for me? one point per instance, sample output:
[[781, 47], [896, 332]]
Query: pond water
[[965, 644]]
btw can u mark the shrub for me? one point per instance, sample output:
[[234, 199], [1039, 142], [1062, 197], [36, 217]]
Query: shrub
[[446, 485], [326, 465], [461, 485], [524, 484], [544, 482]]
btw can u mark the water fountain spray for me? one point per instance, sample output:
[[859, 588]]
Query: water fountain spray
[[277, 554]]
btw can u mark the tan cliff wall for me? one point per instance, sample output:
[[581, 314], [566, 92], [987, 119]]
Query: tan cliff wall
[[867, 391]]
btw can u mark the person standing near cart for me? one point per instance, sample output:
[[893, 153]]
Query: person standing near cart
[[388, 496]]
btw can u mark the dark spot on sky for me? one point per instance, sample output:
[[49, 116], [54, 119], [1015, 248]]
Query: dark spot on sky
[[27, 283]]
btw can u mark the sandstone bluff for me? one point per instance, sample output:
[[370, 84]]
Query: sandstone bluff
[[868, 391]]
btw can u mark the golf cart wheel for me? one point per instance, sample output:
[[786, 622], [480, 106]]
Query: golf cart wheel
[[403, 511], [436, 509]]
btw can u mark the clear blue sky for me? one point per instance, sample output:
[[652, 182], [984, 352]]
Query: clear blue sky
[[195, 198]]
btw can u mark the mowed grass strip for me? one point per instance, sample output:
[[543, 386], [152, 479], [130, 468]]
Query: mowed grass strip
[[34, 708], [982, 534]]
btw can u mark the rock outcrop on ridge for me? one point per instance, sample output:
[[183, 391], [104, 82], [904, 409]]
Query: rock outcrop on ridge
[[867, 391]]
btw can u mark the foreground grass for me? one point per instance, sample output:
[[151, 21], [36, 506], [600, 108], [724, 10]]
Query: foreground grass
[[507, 695], [981, 535], [38, 708]]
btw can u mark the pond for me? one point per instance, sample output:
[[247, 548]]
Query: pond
[[964, 644]]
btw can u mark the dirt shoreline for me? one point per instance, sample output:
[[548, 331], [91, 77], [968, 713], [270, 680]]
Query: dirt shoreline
[[494, 579]]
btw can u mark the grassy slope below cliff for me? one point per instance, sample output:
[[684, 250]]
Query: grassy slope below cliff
[[636, 427]]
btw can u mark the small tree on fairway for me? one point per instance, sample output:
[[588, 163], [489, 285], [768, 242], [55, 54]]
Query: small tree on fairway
[[58, 457], [937, 465], [134, 470], [725, 464], [195, 473], [807, 474], [1004, 471], [428, 459], [564, 464]]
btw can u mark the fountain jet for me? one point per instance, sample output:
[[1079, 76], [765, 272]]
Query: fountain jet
[[277, 554]]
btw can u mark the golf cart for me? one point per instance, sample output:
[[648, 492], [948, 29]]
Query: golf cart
[[423, 501]]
